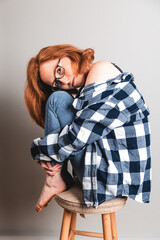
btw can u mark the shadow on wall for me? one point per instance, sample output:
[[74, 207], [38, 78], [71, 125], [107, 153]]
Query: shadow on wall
[[21, 178]]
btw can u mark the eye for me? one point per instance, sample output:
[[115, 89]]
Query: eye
[[59, 72], [57, 83]]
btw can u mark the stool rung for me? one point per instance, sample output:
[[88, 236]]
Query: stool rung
[[89, 234]]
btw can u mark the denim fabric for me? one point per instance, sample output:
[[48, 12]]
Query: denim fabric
[[59, 112]]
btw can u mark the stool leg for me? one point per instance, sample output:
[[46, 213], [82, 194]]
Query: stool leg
[[114, 227], [73, 226], [65, 225], [106, 222]]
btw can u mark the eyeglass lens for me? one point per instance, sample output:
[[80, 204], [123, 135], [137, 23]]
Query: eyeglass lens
[[59, 72]]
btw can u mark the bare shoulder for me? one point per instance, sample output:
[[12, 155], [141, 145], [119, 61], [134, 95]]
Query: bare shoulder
[[99, 66], [101, 70]]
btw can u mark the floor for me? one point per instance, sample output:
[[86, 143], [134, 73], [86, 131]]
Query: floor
[[55, 238]]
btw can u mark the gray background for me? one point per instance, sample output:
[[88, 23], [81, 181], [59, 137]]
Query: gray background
[[121, 31]]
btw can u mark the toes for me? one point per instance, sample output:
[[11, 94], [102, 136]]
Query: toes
[[38, 208]]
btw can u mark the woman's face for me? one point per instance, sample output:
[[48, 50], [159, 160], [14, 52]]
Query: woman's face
[[70, 79]]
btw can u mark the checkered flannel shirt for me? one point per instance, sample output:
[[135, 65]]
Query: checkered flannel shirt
[[111, 129]]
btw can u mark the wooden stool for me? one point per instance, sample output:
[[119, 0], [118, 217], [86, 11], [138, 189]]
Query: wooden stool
[[72, 202]]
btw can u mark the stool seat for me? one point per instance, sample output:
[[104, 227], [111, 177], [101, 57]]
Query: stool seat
[[72, 200], [73, 203]]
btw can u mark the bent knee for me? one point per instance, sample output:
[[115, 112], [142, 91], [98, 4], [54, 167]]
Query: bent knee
[[59, 101], [60, 97]]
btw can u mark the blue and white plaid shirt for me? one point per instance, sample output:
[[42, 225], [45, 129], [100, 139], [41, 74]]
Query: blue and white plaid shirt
[[111, 131]]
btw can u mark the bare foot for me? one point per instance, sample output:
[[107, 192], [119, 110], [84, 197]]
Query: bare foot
[[53, 185]]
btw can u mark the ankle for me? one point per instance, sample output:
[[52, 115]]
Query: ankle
[[52, 181]]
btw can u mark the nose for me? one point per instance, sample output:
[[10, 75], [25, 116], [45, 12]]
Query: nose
[[65, 80]]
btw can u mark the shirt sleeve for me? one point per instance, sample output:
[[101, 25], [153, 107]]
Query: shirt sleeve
[[89, 125]]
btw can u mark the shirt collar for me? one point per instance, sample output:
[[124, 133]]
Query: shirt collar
[[93, 89], [96, 86]]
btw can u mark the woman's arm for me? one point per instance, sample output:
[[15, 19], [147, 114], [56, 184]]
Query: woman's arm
[[91, 123]]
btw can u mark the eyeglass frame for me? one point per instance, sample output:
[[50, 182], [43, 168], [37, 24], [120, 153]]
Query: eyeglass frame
[[57, 88]]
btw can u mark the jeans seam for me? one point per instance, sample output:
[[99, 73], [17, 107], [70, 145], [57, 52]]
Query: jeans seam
[[62, 104], [48, 117]]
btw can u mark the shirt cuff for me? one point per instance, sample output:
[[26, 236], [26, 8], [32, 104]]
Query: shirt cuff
[[35, 151]]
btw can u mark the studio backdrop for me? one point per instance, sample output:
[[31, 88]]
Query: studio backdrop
[[126, 32]]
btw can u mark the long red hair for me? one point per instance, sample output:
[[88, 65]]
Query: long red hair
[[36, 92]]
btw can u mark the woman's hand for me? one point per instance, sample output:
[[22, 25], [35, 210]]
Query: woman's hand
[[48, 168]]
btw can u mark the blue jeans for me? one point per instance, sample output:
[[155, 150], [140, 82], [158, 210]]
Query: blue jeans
[[59, 113]]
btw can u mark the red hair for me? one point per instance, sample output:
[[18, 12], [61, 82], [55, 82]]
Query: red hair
[[36, 92]]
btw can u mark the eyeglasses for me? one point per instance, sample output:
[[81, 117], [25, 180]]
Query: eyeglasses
[[59, 73]]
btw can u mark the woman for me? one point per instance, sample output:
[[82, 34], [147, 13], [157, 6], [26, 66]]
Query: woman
[[104, 131]]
